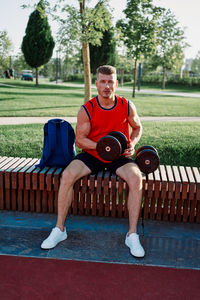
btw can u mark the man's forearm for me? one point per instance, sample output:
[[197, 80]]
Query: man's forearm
[[85, 143], [136, 135]]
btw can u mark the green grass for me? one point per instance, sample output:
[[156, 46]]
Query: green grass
[[19, 98], [24, 99], [176, 142]]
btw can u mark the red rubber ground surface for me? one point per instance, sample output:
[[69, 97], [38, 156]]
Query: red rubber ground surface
[[50, 279]]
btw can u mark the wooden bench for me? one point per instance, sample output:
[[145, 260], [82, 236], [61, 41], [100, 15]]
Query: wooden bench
[[171, 193]]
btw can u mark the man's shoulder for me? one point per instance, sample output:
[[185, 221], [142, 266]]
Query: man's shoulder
[[122, 99], [93, 100]]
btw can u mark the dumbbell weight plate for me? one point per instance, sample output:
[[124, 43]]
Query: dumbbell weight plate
[[144, 148], [121, 138], [147, 160], [109, 148]]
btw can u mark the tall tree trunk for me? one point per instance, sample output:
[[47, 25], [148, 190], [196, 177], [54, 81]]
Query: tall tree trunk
[[87, 72], [86, 59], [134, 78], [163, 79], [139, 75], [36, 77]]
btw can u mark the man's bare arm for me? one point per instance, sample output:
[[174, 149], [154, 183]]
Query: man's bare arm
[[83, 128], [136, 132]]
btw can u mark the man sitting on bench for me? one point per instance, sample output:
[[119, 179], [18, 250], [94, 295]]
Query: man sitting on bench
[[104, 113]]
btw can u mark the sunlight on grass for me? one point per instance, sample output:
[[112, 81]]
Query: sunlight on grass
[[24, 99]]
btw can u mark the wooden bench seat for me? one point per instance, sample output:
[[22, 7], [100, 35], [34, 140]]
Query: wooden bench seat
[[171, 193]]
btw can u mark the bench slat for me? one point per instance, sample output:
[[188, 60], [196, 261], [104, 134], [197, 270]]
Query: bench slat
[[171, 190], [22, 172], [14, 182], [3, 165], [44, 201], [42, 176], [92, 192], [31, 178], [49, 179], [56, 178], [120, 197], [14, 173], [157, 180], [38, 202], [196, 174], [177, 195], [190, 211], [184, 181], [8, 184], [106, 193], [185, 189], [88, 203], [113, 194], [76, 196], [99, 182], [126, 200], [3, 158]]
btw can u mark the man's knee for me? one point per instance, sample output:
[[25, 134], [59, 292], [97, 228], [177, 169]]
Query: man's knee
[[134, 178], [68, 176], [75, 170]]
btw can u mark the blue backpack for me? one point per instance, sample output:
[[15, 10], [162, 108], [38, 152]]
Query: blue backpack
[[59, 144]]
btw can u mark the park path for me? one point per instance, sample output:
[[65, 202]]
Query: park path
[[39, 120], [142, 91], [125, 89]]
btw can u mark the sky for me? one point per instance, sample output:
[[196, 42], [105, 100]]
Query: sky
[[14, 19]]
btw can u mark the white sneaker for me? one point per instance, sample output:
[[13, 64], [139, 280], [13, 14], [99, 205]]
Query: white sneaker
[[56, 236], [133, 242]]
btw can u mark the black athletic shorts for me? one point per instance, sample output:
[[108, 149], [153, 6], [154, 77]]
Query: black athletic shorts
[[95, 165]]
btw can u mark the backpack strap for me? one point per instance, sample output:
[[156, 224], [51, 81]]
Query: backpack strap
[[64, 130], [52, 134]]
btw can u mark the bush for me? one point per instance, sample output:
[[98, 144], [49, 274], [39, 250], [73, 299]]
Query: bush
[[173, 79], [74, 77]]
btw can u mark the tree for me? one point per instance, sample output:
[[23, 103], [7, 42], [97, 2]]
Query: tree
[[123, 64], [5, 47], [38, 43], [170, 44], [139, 30], [85, 25], [71, 52], [72, 65], [104, 54], [196, 64]]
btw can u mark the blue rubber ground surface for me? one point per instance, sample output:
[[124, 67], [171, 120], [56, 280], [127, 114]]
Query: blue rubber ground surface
[[101, 239]]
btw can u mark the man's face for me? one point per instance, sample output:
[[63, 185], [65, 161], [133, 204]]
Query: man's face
[[106, 85]]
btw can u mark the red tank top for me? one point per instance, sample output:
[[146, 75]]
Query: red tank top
[[104, 120]]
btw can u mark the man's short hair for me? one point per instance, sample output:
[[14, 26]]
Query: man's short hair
[[107, 70]]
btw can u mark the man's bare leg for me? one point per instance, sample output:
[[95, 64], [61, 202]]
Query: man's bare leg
[[71, 174], [132, 175], [75, 170]]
